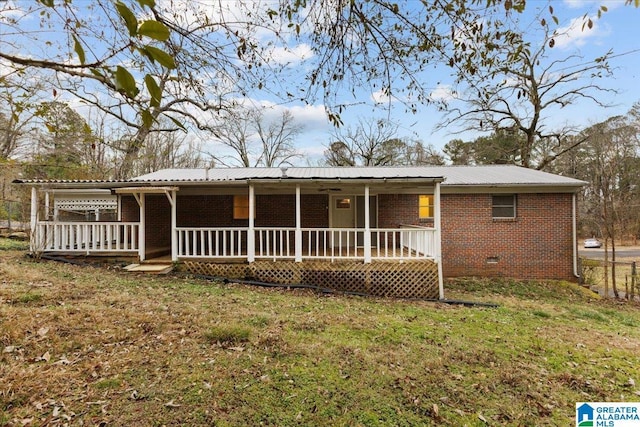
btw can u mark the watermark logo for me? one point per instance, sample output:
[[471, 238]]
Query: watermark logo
[[607, 414]]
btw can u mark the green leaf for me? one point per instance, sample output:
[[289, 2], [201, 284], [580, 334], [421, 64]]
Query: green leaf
[[96, 72], [154, 90], [177, 123], [161, 56], [154, 29], [125, 82], [129, 18], [149, 3], [147, 119], [48, 3], [79, 50]]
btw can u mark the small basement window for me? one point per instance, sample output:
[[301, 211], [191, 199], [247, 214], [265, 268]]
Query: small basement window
[[425, 206], [240, 207], [503, 206]]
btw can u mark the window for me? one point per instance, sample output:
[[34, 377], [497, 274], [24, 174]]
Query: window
[[425, 206], [504, 206], [343, 203], [240, 207]]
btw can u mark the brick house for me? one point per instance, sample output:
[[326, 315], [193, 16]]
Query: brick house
[[387, 231]]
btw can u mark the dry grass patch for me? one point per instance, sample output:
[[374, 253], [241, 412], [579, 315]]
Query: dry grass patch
[[99, 346]]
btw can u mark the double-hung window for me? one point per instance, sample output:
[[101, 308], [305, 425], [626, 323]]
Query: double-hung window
[[241, 207], [425, 206], [503, 206]]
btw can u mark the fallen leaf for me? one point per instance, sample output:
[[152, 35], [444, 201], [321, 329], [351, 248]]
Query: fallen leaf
[[43, 331], [172, 404], [46, 357], [436, 411], [63, 361], [483, 419], [9, 349]]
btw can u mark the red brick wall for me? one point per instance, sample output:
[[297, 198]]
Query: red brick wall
[[276, 210], [537, 244], [129, 208], [399, 209]]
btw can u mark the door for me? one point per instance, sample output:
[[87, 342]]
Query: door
[[342, 216], [373, 217]]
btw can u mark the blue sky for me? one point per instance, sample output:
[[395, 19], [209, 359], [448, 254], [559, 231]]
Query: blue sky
[[617, 29]]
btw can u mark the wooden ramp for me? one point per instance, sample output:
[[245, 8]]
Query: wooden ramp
[[150, 268]]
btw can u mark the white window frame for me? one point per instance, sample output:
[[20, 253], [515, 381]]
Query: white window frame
[[513, 205]]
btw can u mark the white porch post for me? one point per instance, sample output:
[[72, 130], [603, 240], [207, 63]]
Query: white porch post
[[251, 235], [437, 225], [174, 233], [298, 232], [367, 227], [47, 207], [141, 230], [34, 238]]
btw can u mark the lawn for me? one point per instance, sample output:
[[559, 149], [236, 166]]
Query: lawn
[[97, 346]]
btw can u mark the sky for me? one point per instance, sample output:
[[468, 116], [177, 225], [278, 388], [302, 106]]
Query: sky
[[617, 29]]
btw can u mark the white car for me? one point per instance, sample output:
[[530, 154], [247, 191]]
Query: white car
[[592, 243]]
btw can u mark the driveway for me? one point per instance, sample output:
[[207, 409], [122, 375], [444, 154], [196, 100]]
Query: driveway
[[628, 252]]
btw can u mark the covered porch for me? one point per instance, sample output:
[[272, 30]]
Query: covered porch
[[338, 226]]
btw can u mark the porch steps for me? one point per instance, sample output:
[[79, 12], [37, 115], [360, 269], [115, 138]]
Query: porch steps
[[150, 268]]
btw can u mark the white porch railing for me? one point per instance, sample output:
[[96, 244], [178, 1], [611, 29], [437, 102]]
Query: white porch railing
[[86, 236], [409, 242], [204, 242]]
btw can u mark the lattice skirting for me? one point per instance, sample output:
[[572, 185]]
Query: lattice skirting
[[411, 279]]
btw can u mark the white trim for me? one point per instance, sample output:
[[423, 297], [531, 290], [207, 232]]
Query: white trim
[[251, 236], [34, 238], [141, 231], [174, 225], [438, 237], [367, 227], [298, 232]]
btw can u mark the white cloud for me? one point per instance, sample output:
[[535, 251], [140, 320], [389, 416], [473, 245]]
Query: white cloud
[[9, 9], [577, 33], [577, 4], [442, 93], [382, 97], [312, 117], [287, 56]]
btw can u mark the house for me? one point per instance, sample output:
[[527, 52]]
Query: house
[[393, 231]]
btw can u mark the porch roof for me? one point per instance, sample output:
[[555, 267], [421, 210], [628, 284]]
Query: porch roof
[[453, 178]]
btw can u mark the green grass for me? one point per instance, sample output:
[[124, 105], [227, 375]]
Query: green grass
[[227, 335], [125, 349], [7, 244]]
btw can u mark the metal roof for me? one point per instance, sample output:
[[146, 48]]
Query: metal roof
[[453, 175], [487, 175]]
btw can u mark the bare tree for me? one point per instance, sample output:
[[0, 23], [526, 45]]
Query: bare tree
[[610, 158], [521, 94], [165, 150], [253, 139], [19, 93], [138, 60], [372, 142], [278, 139]]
